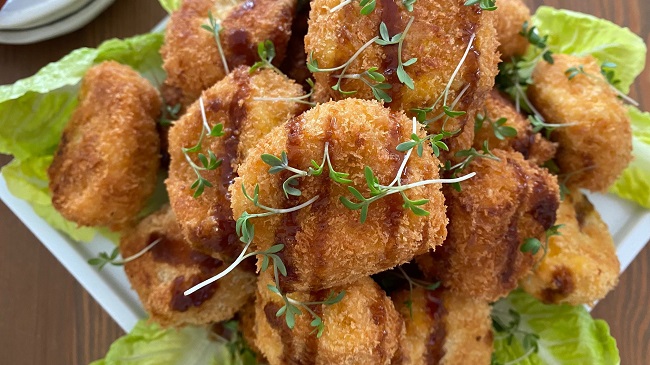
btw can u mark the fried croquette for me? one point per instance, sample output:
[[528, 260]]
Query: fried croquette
[[595, 140], [163, 273], [531, 145], [443, 328], [207, 221], [581, 265], [439, 36], [191, 55], [363, 328], [106, 165], [325, 244], [507, 201], [510, 18]]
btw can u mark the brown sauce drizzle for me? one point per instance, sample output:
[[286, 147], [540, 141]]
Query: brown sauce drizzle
[[289, 352], [545, 204], [562, 285], [390, 15], [583, 208], [511, 240], [239, 47], [437, 312], [177, 252], [379, 319]]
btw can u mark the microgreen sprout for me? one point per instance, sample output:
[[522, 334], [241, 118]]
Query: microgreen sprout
[[104, 258], [470, 155], [266, 53], [408, 4], [170, 114], [608, 74], [296, 99], [500, 130], [416, 282], [312, 64], [215, 29], [416, 142], [279, 164], [370, 77], [487, 5], [209, 162], [367, 6], [540, 42], [506, 325], [532, 245], [402, 75]]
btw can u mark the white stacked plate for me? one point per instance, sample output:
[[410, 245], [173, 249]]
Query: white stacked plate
[[29, 21]]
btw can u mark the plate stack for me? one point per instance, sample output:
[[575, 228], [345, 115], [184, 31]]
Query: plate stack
[[29, 21]]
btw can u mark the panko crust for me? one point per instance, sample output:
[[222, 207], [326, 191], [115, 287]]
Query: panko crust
[[190, 54], [438, 38], [207, 221], [532, 146], [581, 266], [443, 328], [363, 328], [510, 18], [106, 165], [506, 202], [595, 146], [163, 273], [325, 243]]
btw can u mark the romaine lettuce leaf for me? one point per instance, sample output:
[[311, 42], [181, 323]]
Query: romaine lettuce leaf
[[170, 5], [582, 34], [34, 111], [634, 183], [528, 332], [148, 344]]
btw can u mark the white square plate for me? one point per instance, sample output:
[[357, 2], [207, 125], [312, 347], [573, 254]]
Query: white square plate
[[628, 223]]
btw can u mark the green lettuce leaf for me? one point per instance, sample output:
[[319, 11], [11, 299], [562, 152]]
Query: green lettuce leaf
[[34, 111], [148, 344], [581, 34], [528, 332], [170, 5], [634, 182]]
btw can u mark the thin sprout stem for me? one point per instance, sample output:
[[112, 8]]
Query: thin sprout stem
[[625, 97], [354, 57], [462, 60], [340, 6], [221, 53], [205, 119], [452, 106], [284, 211], [139, 254], [530, 105], [428, 182], [398, 176], [230, 268], [194, 166], [401, 39]]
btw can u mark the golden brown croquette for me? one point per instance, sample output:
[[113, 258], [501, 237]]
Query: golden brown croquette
[[510, 18], [106, 165], [325, 244]]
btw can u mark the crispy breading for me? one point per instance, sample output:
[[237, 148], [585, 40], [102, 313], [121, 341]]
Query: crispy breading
[[506, 202], [438, 37], [443, 328], [247, 326], [207, 221], [595, 145], [325, 243], [190, 53], [363, 328], [163, 273], [106, 165], [510, 18], [581, 265], [531, 145]]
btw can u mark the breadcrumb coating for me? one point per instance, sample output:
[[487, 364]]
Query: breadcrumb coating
[[190, 54], [595, 143], [506, 202], [532, 146], [443, 328], [207, 220], [581, 266], [510, 18], [105, 167], [438, 37], [325, 243], [363, 328], [163, 273]]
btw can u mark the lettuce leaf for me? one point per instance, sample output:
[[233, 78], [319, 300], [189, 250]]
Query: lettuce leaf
[[170, 5], [528, 332], [34, 111], [148, 344], [581, 34], [634, 182]]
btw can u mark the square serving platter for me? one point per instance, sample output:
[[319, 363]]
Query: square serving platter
[[628, 223]]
